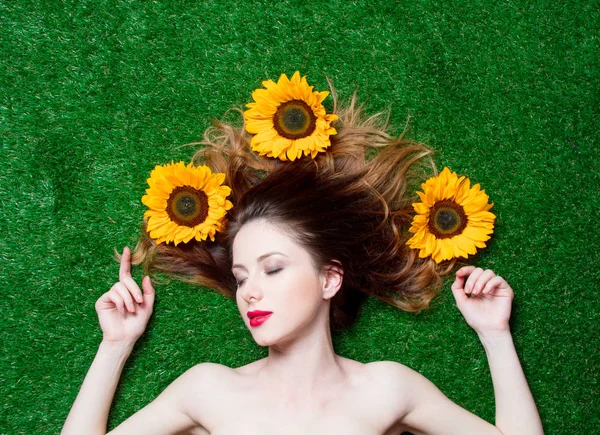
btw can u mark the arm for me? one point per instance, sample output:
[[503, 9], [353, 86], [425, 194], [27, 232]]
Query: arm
[[427, 411], [487, 311], [171, 412], [123, 313], [89, 413], [516, 412]]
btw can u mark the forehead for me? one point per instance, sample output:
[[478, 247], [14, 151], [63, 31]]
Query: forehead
[[258, 236]]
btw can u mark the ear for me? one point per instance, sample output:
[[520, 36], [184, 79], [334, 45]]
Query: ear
[[331, 279]]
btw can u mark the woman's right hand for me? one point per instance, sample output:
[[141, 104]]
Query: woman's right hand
[[124, 310]]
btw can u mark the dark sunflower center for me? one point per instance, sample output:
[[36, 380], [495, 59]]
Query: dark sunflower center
[[187, 206], [294, 119], [446, 219]]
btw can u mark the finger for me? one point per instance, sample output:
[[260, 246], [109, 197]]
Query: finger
[[458, 290], [103, 303], [124, 293], [125, 269], [461, 274], [493, 284], [133, 288], [460, 277], [149, 292], [472, 279], [459, 281], [465, 271], [114, 297], [482, 281]]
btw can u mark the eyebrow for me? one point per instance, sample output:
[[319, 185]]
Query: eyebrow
[[259, 259]]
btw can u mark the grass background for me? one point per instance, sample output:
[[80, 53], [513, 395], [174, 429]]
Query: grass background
[[94, 94]]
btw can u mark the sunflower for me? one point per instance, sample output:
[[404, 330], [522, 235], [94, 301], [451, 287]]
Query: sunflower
[[288, 119], [453, 218], [185, 202]]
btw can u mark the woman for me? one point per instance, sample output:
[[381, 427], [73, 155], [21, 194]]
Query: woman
[[303, 245]]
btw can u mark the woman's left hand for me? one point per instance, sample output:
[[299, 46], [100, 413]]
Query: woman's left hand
[[488, 308]]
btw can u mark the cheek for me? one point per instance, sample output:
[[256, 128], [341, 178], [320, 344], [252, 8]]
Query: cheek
[[301, 294]]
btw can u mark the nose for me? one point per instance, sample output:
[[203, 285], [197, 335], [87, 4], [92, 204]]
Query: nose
[[251, 291]]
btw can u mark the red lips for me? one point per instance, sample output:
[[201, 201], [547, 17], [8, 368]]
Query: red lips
[[257, 313]]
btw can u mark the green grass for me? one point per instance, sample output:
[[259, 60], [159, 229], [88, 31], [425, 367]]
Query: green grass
[[93, 94]]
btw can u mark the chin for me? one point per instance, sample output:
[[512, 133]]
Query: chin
[[264, 340], [275, 334], [270, 340], [266, 337], [263, 343]]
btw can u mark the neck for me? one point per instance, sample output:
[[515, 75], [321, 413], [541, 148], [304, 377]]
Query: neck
[[302, 367]]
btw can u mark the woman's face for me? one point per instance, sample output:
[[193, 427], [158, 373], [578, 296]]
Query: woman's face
[[275, 274]]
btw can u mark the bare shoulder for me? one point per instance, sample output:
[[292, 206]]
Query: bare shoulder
[[394, 383], [384, 366], [399, 379], [203, 385], [206, 376], [182, 407], [209, 370], [422, 407], [391, 371], [195, 383]]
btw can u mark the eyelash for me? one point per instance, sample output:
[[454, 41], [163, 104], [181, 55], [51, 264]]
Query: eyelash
[[272, 272]]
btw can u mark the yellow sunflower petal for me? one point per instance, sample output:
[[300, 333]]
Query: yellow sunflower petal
[[288, 119], [452, 220], [203, 195], [482, 217], [420, 208], [156, 202]]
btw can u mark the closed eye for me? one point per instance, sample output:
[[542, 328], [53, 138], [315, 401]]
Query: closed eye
[[271, 272]]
